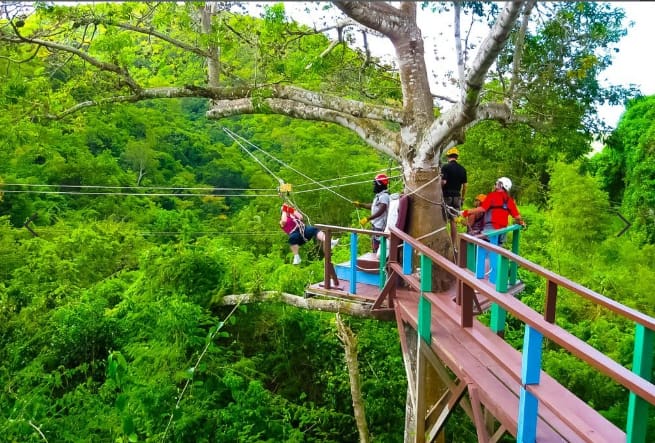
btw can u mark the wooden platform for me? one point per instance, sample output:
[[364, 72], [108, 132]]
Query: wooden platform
[[364, 293], [480, 358]]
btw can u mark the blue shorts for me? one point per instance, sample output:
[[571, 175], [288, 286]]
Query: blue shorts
[[295, 238]]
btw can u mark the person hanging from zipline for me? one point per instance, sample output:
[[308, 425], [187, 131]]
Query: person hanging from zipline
[[379, 208], [291, 222]]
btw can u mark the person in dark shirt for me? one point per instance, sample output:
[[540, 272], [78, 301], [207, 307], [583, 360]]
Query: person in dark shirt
[[453, 182]]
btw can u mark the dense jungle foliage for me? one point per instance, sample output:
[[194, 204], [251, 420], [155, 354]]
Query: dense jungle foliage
[[122, 227]]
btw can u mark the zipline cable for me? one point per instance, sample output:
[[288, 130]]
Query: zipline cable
[[135, 194], [34, 185], [237, 137], [147, 194], [228, 132]]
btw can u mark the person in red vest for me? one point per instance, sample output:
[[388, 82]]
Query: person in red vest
[[497, 207], [299, 233]]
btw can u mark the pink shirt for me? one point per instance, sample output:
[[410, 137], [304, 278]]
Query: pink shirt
[[290, 225]]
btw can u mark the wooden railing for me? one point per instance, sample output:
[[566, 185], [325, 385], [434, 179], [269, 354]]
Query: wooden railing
[[330, 274], [537, 326]]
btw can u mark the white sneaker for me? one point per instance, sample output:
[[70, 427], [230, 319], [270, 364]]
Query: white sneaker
[[334, 242], [296, 260]]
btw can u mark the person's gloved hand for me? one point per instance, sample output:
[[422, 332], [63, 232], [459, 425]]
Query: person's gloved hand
[[363, 221], [357, 204], [286, 208], [464, 213], [522, 223]]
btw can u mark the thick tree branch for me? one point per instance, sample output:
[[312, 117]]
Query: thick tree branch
[[518, 48], [449, 126], [501, 112], [373, 133], [312, 304], [488, 52], [167, 38], [458, 46], [379, 16], [353, 107], [103, 66]]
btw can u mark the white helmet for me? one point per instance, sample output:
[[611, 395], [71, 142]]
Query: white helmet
[[505, 183]]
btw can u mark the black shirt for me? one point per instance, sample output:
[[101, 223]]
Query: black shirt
[[455, 176]]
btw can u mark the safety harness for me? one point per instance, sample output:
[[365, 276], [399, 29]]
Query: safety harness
[[504, 206]]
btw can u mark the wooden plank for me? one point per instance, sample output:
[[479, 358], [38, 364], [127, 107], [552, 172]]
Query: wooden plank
[[501, 399], [558, 405]]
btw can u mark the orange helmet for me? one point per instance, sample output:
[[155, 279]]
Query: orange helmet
[[480, 197], [382, 179]]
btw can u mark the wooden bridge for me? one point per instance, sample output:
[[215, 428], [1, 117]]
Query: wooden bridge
[[503, 390]]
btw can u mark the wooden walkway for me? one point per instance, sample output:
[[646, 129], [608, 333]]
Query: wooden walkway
[[503, 390]]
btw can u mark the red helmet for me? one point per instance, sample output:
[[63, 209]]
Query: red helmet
[[382, 179]]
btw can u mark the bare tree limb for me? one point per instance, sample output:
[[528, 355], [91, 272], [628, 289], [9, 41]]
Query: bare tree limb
[[375, 134], [518, 48], [379, 16], [449, 127], [349, 341], [458, 46], [104, 66], [313, 304]]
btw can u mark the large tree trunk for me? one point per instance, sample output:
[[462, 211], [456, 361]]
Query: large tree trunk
[[427, 221]]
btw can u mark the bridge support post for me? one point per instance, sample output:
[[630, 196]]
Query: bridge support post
[[353, 263], [383, 262], [530, 374], [407, 258], [642, 365]]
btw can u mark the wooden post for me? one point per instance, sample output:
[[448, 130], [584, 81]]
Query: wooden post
[[642, 365], [551, 302], [500, 268], [480, 261], [327, 263], [466, 319], [424, 306], [530, 374], [503, 270], [498, 316], [383, 261], [425, 338], [493, 260], [407, 258], [353, 263], [394, 242], [513, 267]]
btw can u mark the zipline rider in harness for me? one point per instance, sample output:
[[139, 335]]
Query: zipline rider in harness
[[299, 233], [497, 207]]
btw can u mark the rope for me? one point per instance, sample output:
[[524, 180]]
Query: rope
[[145, 194], [234, 137], [33, 185], [229, 133]]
